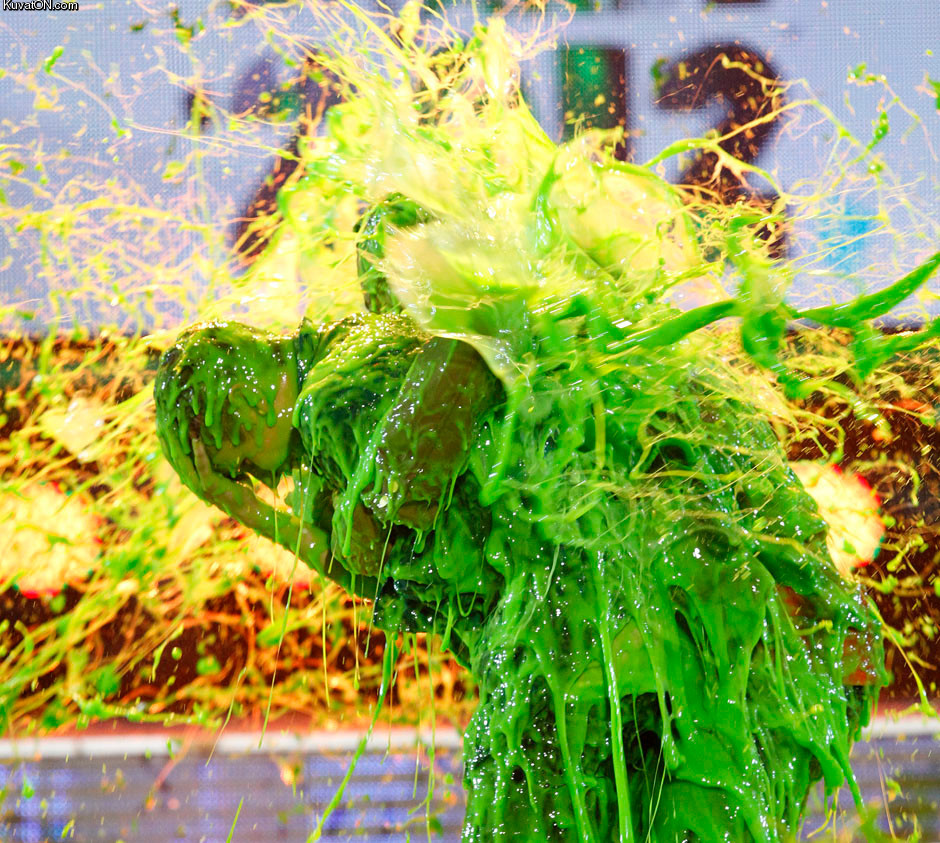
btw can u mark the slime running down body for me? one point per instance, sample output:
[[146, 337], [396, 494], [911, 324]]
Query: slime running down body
[[520, 447]]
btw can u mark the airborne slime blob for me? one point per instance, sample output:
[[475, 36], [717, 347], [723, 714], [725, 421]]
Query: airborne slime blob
[[522, 447]]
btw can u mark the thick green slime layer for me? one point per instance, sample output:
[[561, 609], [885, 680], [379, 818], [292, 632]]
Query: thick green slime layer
[[568, 488], [618, 598]]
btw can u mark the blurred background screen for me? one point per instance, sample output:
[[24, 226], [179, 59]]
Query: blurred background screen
[[142, 147], [163, 123]]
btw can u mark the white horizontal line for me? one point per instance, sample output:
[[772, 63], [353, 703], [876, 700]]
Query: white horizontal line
[[912, 726], [230, 743], [394, 740]]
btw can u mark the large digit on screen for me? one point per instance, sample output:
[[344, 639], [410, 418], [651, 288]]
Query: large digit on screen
[[594, 90], [746, 87], [306, 99]]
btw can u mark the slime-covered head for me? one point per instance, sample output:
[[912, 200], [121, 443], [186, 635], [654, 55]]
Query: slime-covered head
[[234, 388]]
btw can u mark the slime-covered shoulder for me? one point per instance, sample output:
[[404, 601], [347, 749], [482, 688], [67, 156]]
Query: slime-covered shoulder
[[427, 433]]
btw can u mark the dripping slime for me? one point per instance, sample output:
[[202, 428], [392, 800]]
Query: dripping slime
[[518, 444]]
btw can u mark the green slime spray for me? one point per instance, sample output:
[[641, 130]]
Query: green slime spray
[[521, 447]]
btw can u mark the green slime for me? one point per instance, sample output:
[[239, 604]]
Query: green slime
[[523, 449]]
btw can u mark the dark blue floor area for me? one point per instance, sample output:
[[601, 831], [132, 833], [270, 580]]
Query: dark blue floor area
[[277, 797], [899, 780], [153, 797]]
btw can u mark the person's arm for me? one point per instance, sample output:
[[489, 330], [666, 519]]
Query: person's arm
[[310, 543]]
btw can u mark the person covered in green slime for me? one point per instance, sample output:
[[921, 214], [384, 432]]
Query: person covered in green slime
[[619, 554]]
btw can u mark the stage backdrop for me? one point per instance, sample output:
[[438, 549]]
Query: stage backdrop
[[140, 133]]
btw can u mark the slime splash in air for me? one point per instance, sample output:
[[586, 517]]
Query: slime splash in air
[[520, 446]]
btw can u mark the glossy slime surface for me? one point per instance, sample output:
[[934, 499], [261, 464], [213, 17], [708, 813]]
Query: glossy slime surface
[[524, 449]]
